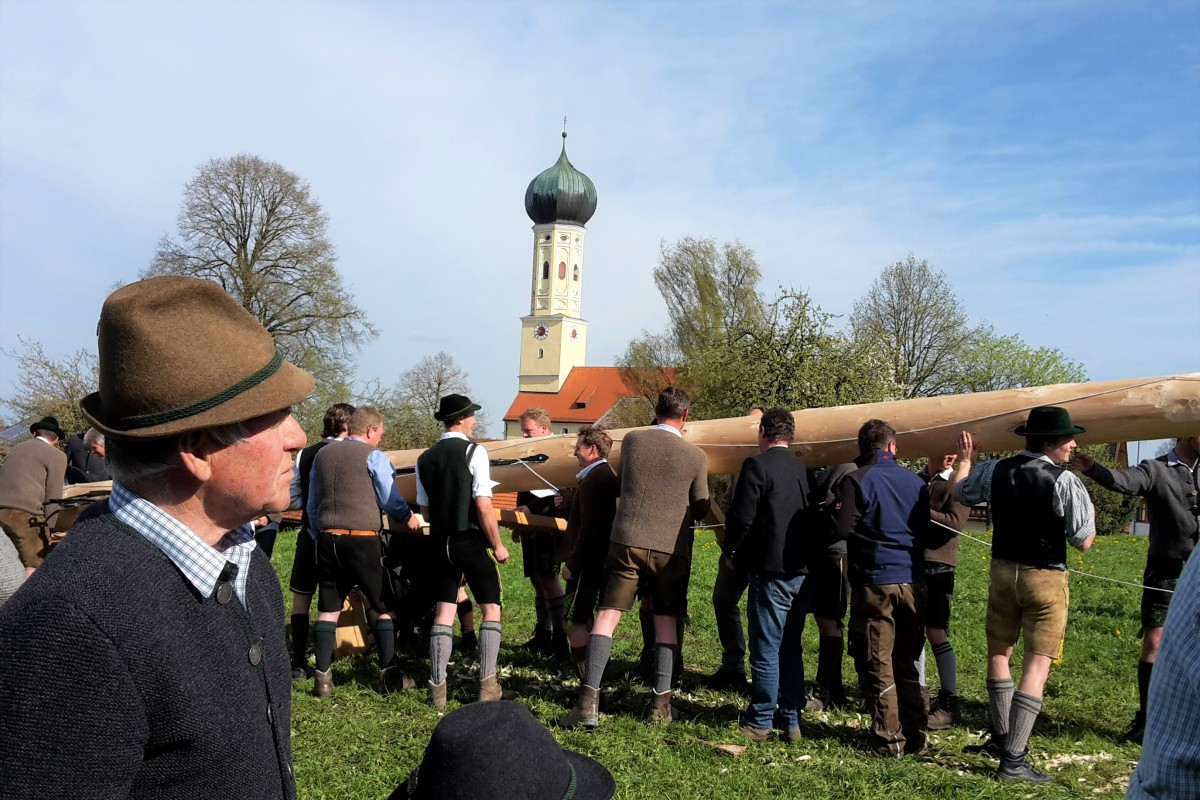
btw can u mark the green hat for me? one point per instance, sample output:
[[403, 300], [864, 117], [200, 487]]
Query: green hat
[[179, 354], [1048, 421]]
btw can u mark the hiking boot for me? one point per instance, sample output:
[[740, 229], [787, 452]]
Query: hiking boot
[[756, 734], [661, 710], [490, 690], [915, 743], [992, 746], [1137, 729], [437, 695], [299, 673], [393, 679], [727, 680], [793, 734], [1016, 768], [943, 712], [825, 700], [586, 713], [322, 683], [540, 644]]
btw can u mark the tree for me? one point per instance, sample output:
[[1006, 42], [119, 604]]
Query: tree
[[50, 387], [914, 314], [251, 226], [408, 406], [991, 362]]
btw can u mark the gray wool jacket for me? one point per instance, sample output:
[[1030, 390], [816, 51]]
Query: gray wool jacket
[[1170, 488]]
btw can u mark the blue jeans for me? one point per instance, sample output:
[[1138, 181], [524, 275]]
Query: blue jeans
[[776, 608], [726, 598]]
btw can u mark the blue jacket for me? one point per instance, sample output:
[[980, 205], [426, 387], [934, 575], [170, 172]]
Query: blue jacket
[[882, 511]]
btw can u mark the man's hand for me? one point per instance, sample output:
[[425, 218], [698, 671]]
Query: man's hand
[[566, 572], [522, 509], [558, 501], [1081, 461], [501, 554], [966, 447], [413, 523]]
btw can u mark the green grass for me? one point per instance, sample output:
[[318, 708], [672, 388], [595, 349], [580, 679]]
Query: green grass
[[361, 745]]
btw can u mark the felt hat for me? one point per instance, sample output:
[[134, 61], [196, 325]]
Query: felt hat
[[1048, 421], [454, 405], [47, 424], [489, 750], [179, 354]]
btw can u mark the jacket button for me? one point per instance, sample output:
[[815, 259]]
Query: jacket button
[[255, 654], [224, 593]]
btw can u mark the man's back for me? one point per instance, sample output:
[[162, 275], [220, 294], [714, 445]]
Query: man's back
[[341, 492], [768, 520], [664, 483], [31, 474]]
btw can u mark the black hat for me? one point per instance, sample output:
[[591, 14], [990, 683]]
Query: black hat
[[47, 424], [488, 750], [454, 405], [1048, 421]]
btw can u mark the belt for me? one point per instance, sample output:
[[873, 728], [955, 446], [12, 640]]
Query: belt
[[350, 532]]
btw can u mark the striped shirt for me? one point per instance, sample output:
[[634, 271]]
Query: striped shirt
[[1071, 501], [200, 562]]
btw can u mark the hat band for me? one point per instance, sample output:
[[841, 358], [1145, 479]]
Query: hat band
[[570, 793], [175, 414]]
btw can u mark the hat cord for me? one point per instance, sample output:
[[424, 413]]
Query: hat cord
[[175, 414], [570, 793]]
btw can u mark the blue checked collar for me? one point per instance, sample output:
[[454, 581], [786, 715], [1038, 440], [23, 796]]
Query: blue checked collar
[[200, 562]]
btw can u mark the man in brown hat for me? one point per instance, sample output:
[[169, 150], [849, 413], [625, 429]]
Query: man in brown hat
[[1038, 508], [454, 491], [147, 658], [31, 474]]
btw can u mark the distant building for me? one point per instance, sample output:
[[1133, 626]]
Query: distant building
[[552, 375]]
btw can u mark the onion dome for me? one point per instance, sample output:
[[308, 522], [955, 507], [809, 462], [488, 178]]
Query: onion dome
[[561, 194]]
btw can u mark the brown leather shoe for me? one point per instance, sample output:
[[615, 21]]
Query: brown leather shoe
[[489, 690], [943, 712], [661, 710], [755, 734], [437, 695], [586, 713], [322, 683], [793, 735]]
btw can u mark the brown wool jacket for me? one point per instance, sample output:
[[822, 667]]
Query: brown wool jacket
[[945, 509], [589, 524], [664, 487], [31, 474]]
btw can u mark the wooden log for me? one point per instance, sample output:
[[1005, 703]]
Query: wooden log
[[1112, 411]]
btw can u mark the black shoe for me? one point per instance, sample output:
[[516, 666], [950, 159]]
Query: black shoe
[[824, 700], [560, 645], [541, 643], [1016, 768], [1137, 729], [726, 680], [299, 673], [992, 746]]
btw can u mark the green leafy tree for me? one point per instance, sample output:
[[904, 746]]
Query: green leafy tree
[[991, 362]]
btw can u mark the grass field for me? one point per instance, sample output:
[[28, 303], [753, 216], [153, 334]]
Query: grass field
[[361, 745]]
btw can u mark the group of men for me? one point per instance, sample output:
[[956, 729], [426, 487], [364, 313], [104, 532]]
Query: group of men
[[153, 635]]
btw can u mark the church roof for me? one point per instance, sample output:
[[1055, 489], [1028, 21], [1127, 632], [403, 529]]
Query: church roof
[[561, 194], [586, 395]]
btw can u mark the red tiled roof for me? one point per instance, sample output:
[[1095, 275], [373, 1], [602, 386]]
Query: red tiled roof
[[586, 395]]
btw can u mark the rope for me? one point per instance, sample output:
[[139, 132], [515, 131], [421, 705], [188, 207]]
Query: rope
[[988, 544]]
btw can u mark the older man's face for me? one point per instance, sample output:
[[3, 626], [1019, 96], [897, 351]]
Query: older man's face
[[252, 478]]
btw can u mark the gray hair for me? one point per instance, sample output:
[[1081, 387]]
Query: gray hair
[[135, 462], [93, 437]]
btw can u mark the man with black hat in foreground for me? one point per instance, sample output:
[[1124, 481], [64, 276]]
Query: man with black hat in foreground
[[1171, 486], [147, 659], [31, 474], [454, 491], [1038, 508], [351, 483], [484, 751]]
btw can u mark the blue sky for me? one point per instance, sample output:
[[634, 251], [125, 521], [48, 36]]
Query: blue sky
[[1045, 156]]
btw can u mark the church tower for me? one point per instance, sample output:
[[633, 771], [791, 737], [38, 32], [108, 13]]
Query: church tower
[[560, 201]]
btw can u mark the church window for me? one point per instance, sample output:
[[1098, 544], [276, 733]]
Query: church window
[[576, 273], [562, 270], [566, 430], [540, 352], [545, 270]]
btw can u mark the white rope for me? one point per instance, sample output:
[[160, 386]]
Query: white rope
[[539, 477], [1072, 571]]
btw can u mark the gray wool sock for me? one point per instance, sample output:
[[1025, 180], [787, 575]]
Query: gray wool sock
[[441, 641], [598, 651], [947, 667], [664, 662], [489, 648], [1000, 695], [556, 610], [542, 609], [1022, 715]]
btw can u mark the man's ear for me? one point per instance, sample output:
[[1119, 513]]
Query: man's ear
[[195, 453]]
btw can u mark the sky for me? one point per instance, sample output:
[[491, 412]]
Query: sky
[[1045, 156]]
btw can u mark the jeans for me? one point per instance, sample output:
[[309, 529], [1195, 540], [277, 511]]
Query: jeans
[[777, 605], [726, 600]]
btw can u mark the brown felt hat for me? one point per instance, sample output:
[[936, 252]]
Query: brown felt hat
[[179, 354]]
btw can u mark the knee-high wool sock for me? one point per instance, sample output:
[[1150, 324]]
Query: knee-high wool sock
[[664, 662], [829, 663], [299, 638], [489, 648], [324, 636], [385, 641], [556, 610], [947, 667], [598, 652], [542, 609], [1000, 695], [441, 641], [1145, 668], [1022, 715], [646, 619]]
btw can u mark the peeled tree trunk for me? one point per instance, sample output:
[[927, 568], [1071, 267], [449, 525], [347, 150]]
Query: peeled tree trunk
[[1112, 411]]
